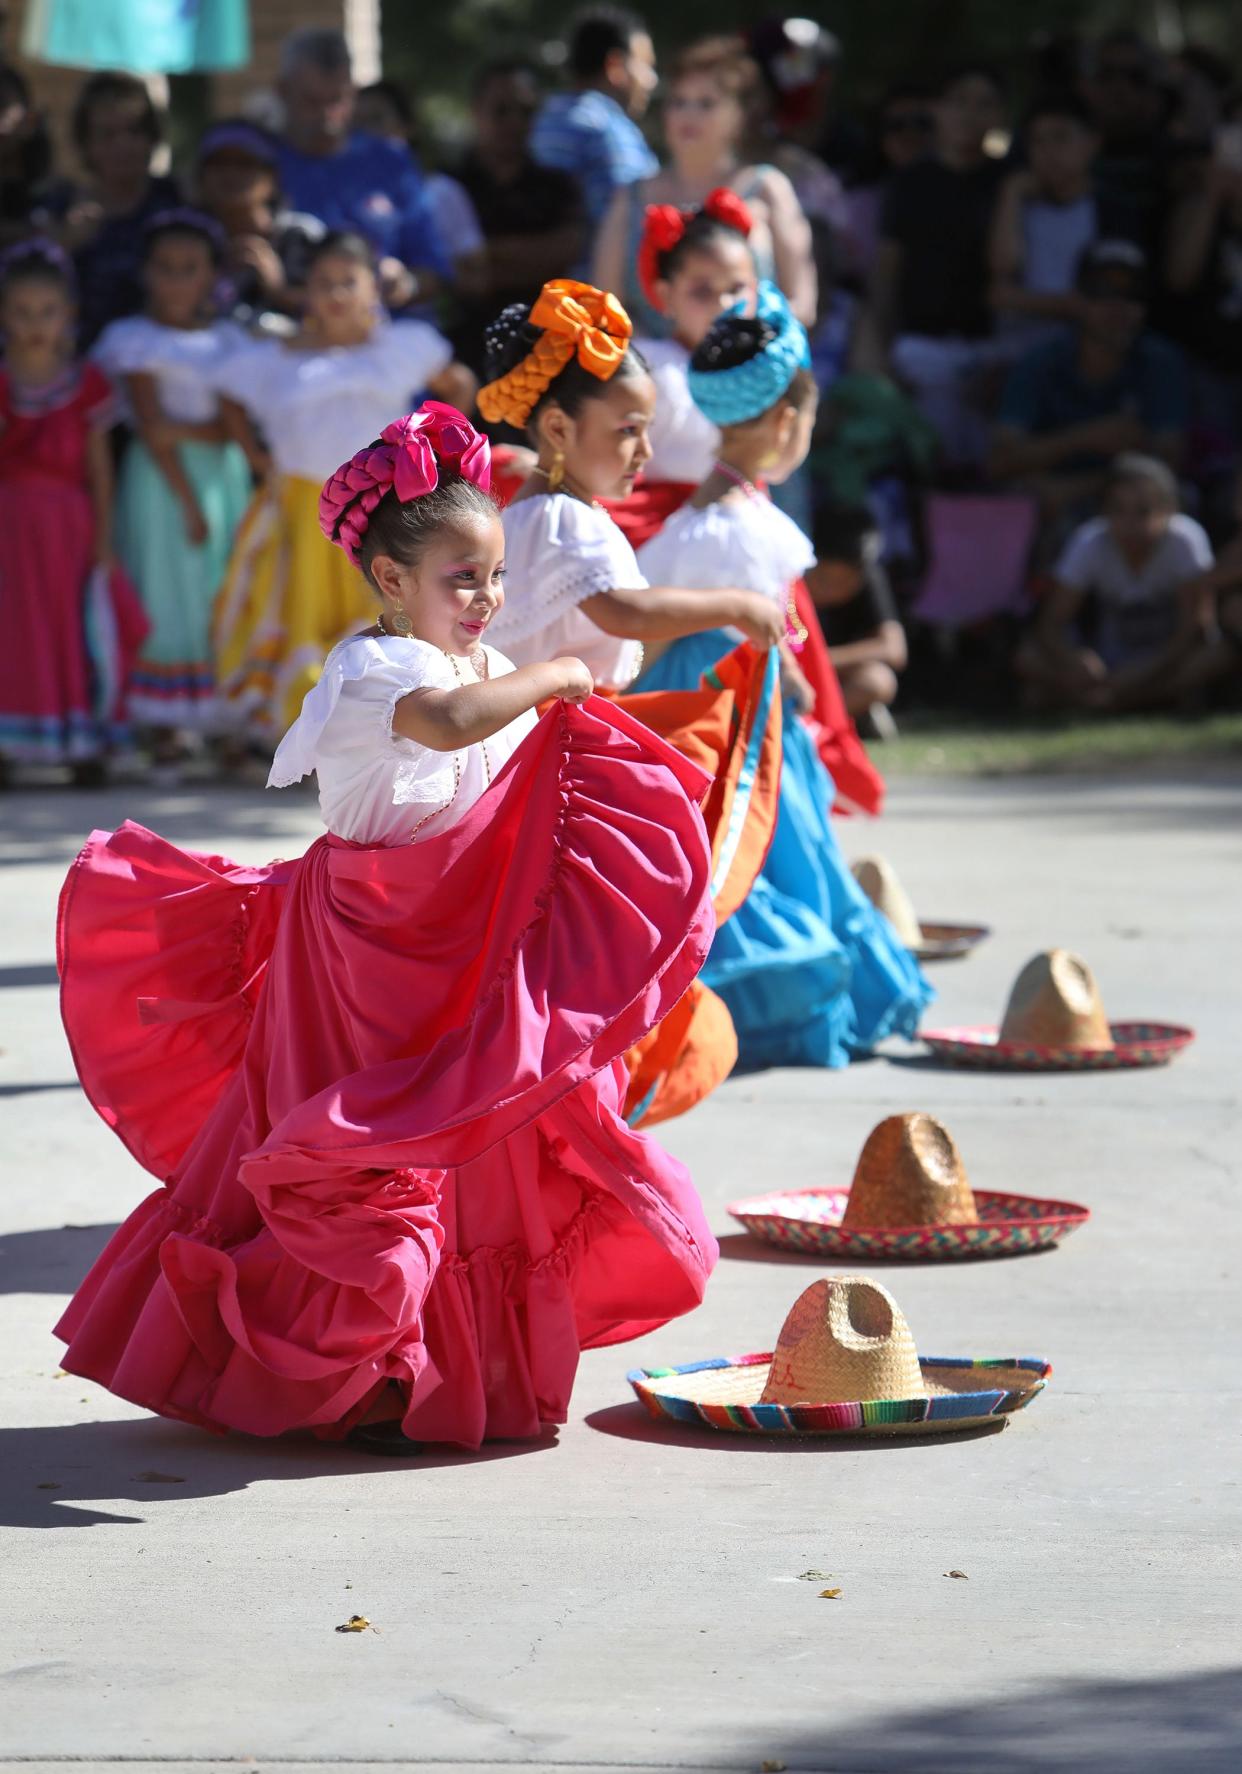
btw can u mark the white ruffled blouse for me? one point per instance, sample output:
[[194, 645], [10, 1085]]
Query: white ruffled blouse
[[559, 551], [376, 787], [316, 407], [187, 363], [684, 442], [739, 540]]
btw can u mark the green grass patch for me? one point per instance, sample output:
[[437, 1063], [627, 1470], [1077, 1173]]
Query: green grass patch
[[955, 745]]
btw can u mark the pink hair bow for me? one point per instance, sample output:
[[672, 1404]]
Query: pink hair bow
[[407, 459]]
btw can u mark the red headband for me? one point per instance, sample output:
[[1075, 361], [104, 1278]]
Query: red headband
[[407, 459], [664, 225]]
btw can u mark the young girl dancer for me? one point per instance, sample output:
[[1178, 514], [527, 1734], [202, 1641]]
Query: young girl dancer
[[696, 265], [810, 972], [289, 597], [71, 625], [381, 1085], [567, 374], [184, 485]]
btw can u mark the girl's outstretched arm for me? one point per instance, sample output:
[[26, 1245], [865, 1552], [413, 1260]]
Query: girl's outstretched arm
[[666, 612], [449, 720]]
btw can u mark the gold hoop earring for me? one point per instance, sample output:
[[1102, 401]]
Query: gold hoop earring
[[399, 623], [556, 473]]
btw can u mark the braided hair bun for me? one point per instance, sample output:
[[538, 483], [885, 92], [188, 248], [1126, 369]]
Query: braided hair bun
[[731, 341], [508, 340]]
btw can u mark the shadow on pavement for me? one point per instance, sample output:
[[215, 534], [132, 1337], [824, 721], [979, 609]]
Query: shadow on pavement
[[44, 1472], [52, 1260], [34, 973], [632, 1422], [1188, 1724]]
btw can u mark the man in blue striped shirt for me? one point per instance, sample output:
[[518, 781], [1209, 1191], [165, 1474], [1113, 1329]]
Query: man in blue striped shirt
[[590, 131]]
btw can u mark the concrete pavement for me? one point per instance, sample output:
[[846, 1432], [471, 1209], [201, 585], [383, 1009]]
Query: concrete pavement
[[624, 1596]]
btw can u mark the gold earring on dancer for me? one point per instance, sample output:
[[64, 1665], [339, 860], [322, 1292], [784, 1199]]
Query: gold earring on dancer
[[399, 623], [556, 473]]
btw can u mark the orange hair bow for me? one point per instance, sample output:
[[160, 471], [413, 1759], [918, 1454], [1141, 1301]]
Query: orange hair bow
[[577, 320]]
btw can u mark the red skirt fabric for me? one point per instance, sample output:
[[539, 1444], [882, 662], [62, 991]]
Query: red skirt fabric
[[382, 1089]]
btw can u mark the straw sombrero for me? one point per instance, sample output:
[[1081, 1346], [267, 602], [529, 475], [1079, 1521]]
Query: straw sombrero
[[910, 1199], [844, 1364], [1055, 1022], [928, 942]]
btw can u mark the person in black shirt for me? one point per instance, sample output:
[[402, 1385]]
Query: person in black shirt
[[531, 215], [858, 614], [930, 279]]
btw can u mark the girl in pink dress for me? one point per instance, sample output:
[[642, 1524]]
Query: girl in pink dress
[[382, 1086], [69, 632]]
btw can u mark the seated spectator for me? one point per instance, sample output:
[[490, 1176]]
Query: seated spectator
[[1071, 405], [384, 110], [1203, 277], [1047, 216], [115, 130], [267, 248], [350, 181], [591, 131], [1129, 622], [930, 283], [531, 215], [858, 614]]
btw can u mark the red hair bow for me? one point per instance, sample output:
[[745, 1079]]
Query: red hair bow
[[664, 225]]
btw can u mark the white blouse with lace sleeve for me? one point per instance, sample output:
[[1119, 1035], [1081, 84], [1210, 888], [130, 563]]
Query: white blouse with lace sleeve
[[558, 552], [376, 787]]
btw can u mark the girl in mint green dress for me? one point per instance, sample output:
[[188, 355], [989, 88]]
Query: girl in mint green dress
[[184, 483]]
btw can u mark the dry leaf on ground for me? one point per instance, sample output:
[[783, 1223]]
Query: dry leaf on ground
[[829, 1595]]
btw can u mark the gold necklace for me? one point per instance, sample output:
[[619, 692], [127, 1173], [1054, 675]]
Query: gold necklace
[[487, 763]]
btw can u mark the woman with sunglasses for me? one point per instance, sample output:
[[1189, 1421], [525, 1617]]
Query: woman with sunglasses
[[901, 134], [710, 107]]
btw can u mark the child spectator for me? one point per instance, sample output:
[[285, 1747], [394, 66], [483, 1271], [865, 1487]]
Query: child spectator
[[184, 484], [69, 621], [858, 614], [288, 598], [267, 248], [1047, 217], [115, 130], [1129, 622], [930, 282]]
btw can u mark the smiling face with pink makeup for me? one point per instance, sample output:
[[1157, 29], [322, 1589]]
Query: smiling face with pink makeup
[[452, 590]]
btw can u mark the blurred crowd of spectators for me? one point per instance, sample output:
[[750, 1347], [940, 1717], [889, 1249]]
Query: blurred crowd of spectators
[[1026, 319]]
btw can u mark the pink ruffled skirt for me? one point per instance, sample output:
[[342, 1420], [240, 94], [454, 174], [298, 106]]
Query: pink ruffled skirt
[[382, 1089]]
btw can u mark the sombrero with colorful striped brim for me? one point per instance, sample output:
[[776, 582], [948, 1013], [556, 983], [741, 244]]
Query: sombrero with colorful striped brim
[[1133, 1045], [844, 1364], [910, 1198], [1054, 1022]]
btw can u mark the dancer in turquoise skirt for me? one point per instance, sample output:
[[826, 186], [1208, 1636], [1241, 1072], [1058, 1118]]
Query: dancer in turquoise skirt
[[811, 972], [184, 484]]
